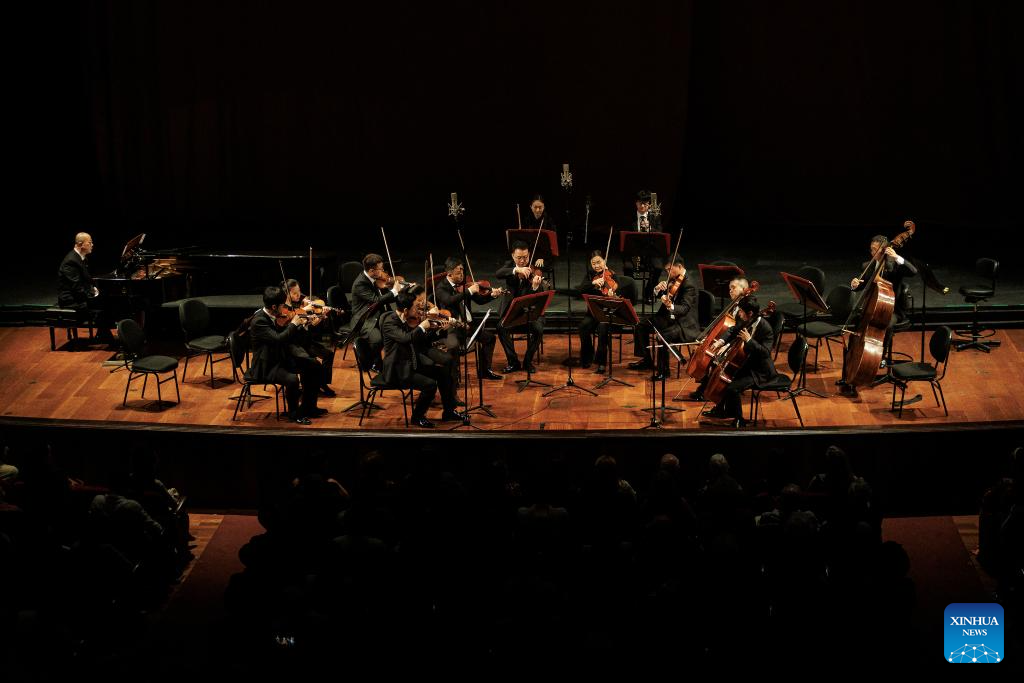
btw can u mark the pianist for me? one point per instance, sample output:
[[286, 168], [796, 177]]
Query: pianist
[[75, 287]]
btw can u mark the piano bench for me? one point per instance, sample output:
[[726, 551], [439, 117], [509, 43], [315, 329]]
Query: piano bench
[[69, 320]]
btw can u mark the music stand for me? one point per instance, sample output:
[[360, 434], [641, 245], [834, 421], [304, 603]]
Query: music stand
[[928, 281], [716, 278], [654, 411], [466, 420], [524, 310], [611, 310], [644, 245], [807, 294]]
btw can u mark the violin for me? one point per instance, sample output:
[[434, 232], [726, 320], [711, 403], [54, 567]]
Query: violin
[[289, 312], [610, 285], [318, 307], [386, 281]]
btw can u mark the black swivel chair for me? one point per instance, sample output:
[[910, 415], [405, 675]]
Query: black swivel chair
[[782, 383], [194, 317], [905, 373], [986, 268], [133, 341]]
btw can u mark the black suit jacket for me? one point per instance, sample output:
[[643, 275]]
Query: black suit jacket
[[634, 224], [446, 296], [400, 349], [759, 351], [270, 345], [531, 223], [74, 283], [515, 285], [364, 295], [685, 312]]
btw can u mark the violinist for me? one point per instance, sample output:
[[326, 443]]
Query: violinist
[[757, 337], [736, 287], [598, 280], [451, 293], [310, 341], [274, 330], [406, 366], [676, 319], [520, 279], [538, 217], [372, 294]]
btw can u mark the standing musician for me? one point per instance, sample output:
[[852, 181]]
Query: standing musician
[[757, 337], [538, 216], [893, 268], [274, 331], [597, 281], [676, 319], [308, 343], [406, 366], [368, 303], [520, 279], [645, 221], [451, 293], [75, 287], [736, 287]]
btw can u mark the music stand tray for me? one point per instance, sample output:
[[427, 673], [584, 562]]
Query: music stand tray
[[612, 310], [644, 244], [655, 424], [547, 245], [522, 311]]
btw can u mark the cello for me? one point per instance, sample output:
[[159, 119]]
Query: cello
[[702, 356], [729, 360], [864, 352]]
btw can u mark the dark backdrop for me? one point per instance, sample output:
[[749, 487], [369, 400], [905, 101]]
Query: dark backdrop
[[283, 124]]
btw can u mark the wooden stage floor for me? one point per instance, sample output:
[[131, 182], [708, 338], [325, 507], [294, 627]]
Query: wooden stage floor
[[66, 385]]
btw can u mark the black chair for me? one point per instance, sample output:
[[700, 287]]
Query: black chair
[[365, 379], [239, 353], [794, 310], [194, 317], [840, 303], [347, 274], [986, 268], [782, 383], [133, 342], [905, 373], [374, 388], [340, 331]]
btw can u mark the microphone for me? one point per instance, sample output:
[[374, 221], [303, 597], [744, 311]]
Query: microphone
[[588, 203]]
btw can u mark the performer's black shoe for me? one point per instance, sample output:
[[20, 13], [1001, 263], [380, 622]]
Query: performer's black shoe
[[697, 395], [531, 368], [423, 422], [739, 423], [716, 412], [452, 416], [600, 370], [841, 382], [512, 367], [314, 412], [375, 368], [301, 419], [641, 365], [327, 391], [459, 403], [488, 374]]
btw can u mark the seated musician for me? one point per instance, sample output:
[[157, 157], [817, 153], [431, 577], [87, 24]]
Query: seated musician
[[452, 294], [645, 221], [538, 216], [368, 303], [312, 340], [75, 287], [274, 332], [757, 337], [676, 319], [520, 280], [405, 365], [736, 287], [595, 283]]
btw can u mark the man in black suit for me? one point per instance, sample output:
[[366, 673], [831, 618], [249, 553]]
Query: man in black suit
[[519, 281], [676, 319], [368, 303], [75, 287], [273, 359], [451, 294], [405, 365], [756, 335], [311, 339], [644, 220]]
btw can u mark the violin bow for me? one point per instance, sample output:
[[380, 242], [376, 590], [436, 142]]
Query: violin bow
[[387, 251], [465, 255], [608, 249], [536, 241]]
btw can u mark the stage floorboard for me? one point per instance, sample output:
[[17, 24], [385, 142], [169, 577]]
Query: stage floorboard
[[77, 386]]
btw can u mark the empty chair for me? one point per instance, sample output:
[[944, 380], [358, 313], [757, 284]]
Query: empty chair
[[840, 303], [905, 373], [985, 268], [194, 317], [133, 342]]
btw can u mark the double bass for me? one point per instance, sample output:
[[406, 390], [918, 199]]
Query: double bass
[[864, 352], [729, 360], [702, 356]]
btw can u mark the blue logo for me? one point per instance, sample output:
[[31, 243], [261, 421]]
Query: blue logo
[[974, 633]]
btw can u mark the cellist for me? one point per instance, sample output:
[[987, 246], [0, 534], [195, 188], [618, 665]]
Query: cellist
[[737, 285], [757, 337]]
